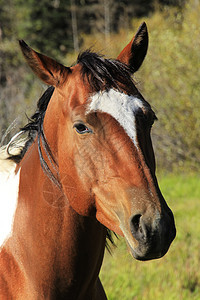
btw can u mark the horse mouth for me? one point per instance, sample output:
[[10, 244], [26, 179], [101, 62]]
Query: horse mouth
[[144, 253], [153, 246]]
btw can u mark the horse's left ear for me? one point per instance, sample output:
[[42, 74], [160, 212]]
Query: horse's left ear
[[46, 68], [134, 53]]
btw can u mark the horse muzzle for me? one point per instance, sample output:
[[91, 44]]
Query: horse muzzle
[[153, 236]]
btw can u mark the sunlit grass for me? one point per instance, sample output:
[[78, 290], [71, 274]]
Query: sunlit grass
[[175, 276]]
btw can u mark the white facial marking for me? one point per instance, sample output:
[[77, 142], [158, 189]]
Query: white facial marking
[[120, 106], [9, 187]]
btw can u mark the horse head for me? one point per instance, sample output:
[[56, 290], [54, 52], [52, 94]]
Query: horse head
[[98, 127]]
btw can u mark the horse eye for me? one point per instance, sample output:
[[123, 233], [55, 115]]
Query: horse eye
[[81, 128]]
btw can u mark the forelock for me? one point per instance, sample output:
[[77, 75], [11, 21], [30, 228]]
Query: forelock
[[102, 73]]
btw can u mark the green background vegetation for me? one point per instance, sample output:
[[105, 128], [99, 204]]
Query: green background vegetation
[[169, 79]]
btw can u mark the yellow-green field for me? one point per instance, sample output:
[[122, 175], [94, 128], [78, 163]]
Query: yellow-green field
[[173, 277]]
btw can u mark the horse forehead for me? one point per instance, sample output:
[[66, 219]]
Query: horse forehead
[[122, 107]]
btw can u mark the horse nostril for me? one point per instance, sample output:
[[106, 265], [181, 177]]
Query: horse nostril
[[138, 228], [135, 222]]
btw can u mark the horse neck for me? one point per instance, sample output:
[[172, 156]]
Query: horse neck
[[56, 246]]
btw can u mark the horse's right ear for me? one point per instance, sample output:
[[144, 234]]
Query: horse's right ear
[[46, 68], [134, 53]]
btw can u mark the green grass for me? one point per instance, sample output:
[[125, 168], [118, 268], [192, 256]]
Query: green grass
[[176, 275]]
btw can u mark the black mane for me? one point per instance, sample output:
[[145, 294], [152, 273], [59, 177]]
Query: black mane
[[34, 125]]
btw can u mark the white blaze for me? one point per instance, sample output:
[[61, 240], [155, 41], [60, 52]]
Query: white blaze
[[120, 106]]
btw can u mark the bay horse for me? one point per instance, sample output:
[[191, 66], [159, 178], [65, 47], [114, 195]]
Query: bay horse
[[87, 168]]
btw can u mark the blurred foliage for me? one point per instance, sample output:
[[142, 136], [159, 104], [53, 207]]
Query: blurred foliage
[[171, 83], [46, 25], [169, 77]]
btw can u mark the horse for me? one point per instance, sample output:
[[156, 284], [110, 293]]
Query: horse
[[85, 170]]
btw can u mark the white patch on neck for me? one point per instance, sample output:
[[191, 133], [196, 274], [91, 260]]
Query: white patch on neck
[[9, 188], [120, 106]]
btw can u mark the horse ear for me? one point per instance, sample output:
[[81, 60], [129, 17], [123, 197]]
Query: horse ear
[[47, 69], [134, 53]]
